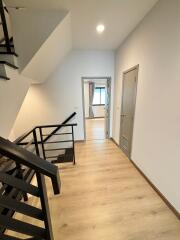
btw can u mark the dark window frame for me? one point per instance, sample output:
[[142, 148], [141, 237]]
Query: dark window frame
[[100, 104]]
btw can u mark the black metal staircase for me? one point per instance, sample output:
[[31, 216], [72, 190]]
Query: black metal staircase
[[10, 201], [7, 51], [20, 161]]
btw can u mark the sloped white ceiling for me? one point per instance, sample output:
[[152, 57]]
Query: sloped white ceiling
[[119, 16], [31, 28], [51, 53]]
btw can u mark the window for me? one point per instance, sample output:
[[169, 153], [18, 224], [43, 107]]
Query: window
[[99, 96]]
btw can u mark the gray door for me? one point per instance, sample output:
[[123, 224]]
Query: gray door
[[107, 108], [128, 109]]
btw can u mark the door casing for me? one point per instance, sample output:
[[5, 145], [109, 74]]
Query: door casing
[[107, 119]]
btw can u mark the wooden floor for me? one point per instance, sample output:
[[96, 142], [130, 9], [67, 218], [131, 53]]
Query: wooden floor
[[105, 198], [95, 128]]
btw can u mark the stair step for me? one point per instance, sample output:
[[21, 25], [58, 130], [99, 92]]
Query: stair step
[[22, 227], [8, 53], [2, 40], [4, 49], [21, 207], [19, 184], [8, 64], [68, 156], [8, 58], [4, 77], [7, 237], [3, 70]]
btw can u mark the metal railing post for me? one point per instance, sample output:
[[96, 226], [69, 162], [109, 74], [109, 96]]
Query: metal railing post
[[45, 206], [42, 143], [74, 158], [36, 142], [43, 192]]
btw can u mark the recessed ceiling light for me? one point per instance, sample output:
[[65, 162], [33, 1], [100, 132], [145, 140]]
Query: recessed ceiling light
[[100, 28]]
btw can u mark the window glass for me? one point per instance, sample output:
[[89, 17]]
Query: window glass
[[103, 95], [99, 96], [96, 99]]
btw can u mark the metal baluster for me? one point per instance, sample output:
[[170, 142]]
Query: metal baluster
[[74, 159], [36, 142], [42, 142]]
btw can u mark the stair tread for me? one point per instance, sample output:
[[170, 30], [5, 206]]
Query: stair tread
[[9, 64], [66, 157], [4, 77], [9, 53]]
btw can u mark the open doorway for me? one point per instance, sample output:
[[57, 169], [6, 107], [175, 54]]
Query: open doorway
[[96, 107]]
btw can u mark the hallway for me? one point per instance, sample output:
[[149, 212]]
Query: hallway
[[104, 197], [95, 129]]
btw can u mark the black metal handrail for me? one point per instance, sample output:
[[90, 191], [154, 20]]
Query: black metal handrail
[[22, 137], [57, 126], [60, 126]]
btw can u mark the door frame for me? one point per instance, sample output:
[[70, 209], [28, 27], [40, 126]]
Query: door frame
[[129, 70], [108, 79]]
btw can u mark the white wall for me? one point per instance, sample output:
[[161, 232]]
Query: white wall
[[12, 94], [61, 95], [155, 46]]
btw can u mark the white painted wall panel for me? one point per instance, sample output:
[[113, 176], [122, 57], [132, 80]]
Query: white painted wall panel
[[12, 94], [154, 45]]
